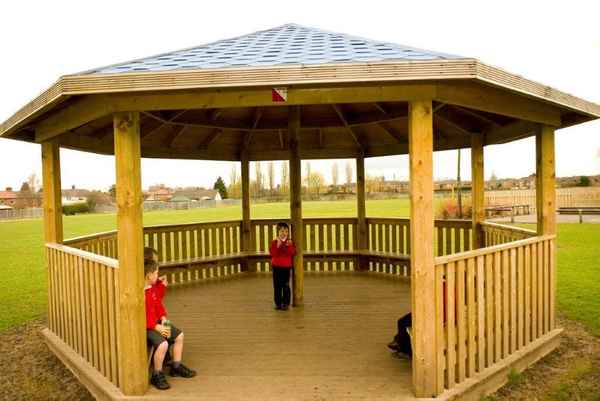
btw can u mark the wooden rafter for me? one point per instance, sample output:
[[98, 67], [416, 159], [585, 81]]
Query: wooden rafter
[[380, 107], [258, 112], [438, 107], [169, 121], [281, 142], [172, 137], [478, 116], [392, 134], [211, 138], [450, 125], [348, 127], [320, 137]]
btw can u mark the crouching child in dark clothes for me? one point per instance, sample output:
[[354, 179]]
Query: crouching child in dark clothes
[[282, 252], [402, 345], [159, 331]]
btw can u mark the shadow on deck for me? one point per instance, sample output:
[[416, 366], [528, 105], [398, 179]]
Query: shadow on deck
[[333, 348]]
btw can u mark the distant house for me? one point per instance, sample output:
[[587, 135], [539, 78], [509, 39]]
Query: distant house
[[198, 194], [160, 193], [8, 197], [74, 195]]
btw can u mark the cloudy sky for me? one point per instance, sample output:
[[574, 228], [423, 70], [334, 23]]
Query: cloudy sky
[[554, 42]]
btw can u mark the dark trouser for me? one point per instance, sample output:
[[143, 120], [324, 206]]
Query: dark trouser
[[402, 338], [281, 285]]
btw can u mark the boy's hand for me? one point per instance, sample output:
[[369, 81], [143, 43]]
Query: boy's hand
[[163, 279], [163, 330]]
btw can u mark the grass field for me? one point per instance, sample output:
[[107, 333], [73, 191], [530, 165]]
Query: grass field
[[23, 282]]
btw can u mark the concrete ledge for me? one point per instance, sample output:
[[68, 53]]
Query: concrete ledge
[[494, 377]]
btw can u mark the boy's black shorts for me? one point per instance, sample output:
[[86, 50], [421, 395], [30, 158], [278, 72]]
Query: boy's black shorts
[[155, 339]]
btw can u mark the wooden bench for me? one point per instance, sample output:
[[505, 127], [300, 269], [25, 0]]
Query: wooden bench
[[580, 210], [184, 264]]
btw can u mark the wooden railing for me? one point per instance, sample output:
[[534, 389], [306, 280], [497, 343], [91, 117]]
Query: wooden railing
[[83, 305], [183, 245], [496, 234], [490, 303], [104, 244], [328, 243]]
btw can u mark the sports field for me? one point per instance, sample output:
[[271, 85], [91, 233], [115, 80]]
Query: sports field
[[23, 281]]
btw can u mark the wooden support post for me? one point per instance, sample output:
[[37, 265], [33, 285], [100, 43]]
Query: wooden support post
[[545, 179], [246, 227], [360, 209], [546, 210], [425, 357], [477, 189], [296, 203], [132, 358], [53, 227]]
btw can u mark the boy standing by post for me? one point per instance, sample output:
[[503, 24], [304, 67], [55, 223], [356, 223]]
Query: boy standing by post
[[282, 251]]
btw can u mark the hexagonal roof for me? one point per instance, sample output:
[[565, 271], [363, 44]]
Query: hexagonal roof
[[283, 45]]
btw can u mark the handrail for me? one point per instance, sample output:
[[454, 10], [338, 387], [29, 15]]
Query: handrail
[[93, 257], [439, 260], [521, 230]]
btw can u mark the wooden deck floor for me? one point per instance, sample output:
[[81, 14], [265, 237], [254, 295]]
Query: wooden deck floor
[[334, 348]]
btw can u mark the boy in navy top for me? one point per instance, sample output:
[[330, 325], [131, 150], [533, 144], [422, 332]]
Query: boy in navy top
[[282, 252]]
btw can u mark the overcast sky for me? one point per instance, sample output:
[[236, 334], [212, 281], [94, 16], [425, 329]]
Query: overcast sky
[[554, 42]]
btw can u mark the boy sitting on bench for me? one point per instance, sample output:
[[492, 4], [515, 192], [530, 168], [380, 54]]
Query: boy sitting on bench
[[160, 333]]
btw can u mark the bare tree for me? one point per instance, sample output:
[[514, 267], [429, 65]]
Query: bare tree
[[334, 175], [271, 176], [259, 180], [308, 171], [235, 183], [285, 184], [315, 182], [33, 182], [349, 175]]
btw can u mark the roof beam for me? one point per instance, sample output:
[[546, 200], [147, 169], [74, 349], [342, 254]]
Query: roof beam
[[78, 113], [478, 116], [169, 121], [210, 139], [510, 132], [494, 100], [348, 127], [172, 137], [392, 134], [450, 126]]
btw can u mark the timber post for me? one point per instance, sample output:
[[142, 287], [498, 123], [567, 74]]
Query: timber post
[[360, 209], [546, 205], [296, 204], [246, 224], [131, 331], [53, 224], [420, 140], [477, 189]]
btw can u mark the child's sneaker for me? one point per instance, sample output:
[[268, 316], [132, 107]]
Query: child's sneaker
[[182, 371], [159, 381]]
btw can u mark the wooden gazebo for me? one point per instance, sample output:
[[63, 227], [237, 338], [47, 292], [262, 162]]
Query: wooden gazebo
[[482, 295]]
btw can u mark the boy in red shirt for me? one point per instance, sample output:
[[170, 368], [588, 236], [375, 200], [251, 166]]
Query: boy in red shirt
[[282, 251], [159, 332]]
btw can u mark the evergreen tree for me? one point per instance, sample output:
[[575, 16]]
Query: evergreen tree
[[220, 186]]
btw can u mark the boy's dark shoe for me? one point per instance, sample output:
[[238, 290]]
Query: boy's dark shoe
[[285, 307], [159, 381], [182, 371], [394, 346], [278, 307]]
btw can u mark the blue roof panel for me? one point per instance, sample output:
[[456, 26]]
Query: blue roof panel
[[284, 45]]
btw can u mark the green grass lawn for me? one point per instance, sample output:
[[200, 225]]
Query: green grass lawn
[[23, 281]]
